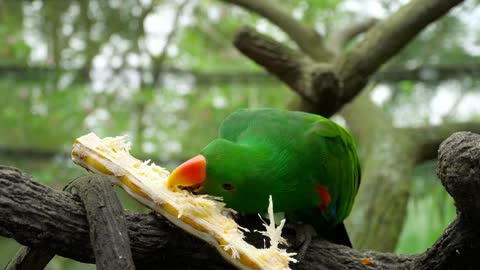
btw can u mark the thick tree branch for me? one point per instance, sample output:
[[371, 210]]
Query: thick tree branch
[[37, 216], [353, 69], [307, 39], [459, 170], [32, 258], [34, 214], [295, 69]]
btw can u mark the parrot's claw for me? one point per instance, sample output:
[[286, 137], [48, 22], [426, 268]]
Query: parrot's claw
[[304, 233]]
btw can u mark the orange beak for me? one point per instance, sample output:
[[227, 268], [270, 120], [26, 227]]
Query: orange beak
[[191, 173]]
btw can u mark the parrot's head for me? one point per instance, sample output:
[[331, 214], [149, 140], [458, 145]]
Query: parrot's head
[[227, 170]]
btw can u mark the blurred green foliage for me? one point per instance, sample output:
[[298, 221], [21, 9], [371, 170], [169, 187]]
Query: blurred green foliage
[[430, 210]]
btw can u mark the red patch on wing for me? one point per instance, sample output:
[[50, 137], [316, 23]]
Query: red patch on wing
[[325, 198]]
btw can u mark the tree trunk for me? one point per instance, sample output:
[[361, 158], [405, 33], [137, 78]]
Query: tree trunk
[[389, 159]]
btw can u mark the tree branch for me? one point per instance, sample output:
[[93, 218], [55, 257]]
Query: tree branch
[[38, 216], [295, 69], [290, 66], [341, 38], [351, 70], [34, 215], [459, 170], [307, 39], [384, 40], [429, 138], [108, 230]]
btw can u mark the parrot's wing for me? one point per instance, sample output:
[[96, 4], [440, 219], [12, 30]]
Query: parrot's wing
[[325, 128], [337, 151]]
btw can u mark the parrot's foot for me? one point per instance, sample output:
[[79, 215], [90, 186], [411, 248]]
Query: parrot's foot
[[304, 235]]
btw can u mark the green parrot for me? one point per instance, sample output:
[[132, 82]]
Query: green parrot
[[308, 164]]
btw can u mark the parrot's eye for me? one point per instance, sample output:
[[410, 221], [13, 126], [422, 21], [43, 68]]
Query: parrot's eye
[[228, 186]]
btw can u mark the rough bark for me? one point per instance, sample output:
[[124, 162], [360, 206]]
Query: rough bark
[[108, 230], [34, 214], [37, 216], [459, 170], [295, 69]]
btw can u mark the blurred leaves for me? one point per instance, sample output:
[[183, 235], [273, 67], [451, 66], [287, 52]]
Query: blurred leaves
[[13, 49]]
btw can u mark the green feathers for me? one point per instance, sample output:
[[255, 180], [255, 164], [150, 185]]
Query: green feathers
[[306, 162]]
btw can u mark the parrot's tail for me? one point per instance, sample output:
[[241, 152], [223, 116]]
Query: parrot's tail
[[341, 235]]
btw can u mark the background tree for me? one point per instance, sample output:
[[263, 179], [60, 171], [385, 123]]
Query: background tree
[[328, 79], [155, 69]]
